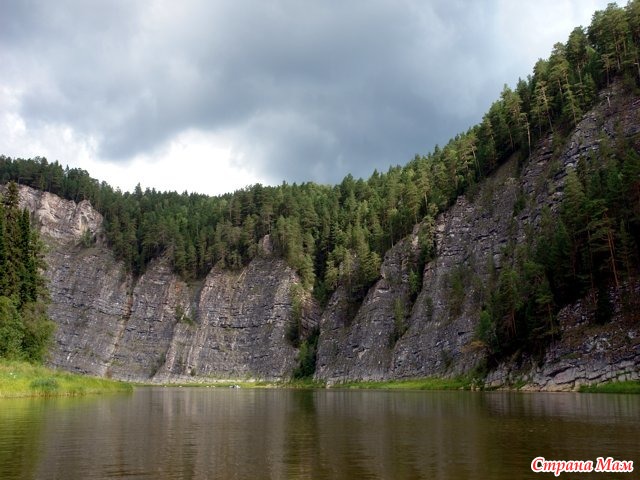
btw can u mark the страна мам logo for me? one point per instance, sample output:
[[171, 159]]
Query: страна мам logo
[[609, 465]]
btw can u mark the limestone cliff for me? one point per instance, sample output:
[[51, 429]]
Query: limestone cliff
[[233, 324], [585, 354], [157, 327], [470, 241]]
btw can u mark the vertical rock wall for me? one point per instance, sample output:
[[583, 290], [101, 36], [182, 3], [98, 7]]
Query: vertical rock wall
[[471, 239], [157, 327]]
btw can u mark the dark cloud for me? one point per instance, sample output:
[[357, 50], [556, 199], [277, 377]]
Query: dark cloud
[[308, 91]]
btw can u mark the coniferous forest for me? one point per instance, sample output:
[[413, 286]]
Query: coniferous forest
[[25, 330], [337, 235]]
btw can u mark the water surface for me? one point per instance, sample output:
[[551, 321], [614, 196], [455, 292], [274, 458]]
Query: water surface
[[200, 433]]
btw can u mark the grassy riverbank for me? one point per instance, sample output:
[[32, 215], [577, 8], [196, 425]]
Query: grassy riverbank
[[255, 384], [613, 387], [432, 383], [458, 383], [21, 379]]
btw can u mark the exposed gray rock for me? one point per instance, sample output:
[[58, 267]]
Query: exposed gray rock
[[361, 348], [89, 302], [239, 326], [156, 327], [585, 354], [62, 221], [88, 288], [471, 238]]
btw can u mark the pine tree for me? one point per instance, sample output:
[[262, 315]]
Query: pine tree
[[577, 50], [25, 330], [541, 109], [601, 236], [12, 242], [4, 263], [627, 251]]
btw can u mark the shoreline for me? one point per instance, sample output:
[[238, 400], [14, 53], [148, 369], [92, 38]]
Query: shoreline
[[24, 380], [415, 384]]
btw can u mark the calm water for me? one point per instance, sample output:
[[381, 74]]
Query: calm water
[[164, 433]]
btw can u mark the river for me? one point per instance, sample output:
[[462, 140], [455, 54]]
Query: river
[[203, 433]]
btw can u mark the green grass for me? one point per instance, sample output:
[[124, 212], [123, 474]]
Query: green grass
[[632, 386], [214, 384], [431, 383], [303, 383], [294, 383], [210, 382], [21, 379]]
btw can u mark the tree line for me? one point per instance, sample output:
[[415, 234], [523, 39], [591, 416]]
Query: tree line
[[25, 330], [337, 235]]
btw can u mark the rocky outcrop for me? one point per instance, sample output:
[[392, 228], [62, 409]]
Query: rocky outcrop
[[438, 333], [361, 346], [585, 353], [62, 222], [157, 327], [471, 239], [238, 327]]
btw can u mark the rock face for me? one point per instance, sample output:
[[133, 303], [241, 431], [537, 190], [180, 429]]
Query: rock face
[[586, 354], [470, 240], [234, 324], [362, 347], [440, 324], [158, 328], [239, 326]]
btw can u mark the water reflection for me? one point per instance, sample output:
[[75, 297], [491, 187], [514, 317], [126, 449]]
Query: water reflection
[[170, 433]]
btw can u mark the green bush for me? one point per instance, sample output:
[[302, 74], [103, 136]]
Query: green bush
[[307, 357], [24, 335], [11, 330], [399, 322], [38, 332]]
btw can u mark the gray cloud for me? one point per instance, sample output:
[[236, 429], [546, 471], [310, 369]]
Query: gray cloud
[[308, 91]]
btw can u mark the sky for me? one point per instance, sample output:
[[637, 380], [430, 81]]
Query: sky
[[211, 96]]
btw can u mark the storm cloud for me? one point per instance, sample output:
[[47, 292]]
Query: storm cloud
[[297, 90]]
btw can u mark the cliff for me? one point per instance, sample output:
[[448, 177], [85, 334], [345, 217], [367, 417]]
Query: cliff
[[470, 240], [157, 327], [233, 324]]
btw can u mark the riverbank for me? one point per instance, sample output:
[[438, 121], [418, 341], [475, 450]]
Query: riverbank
[[430, 383], [426, 383], [240, 383], [457, 383], [613, 387], [21, 379]]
